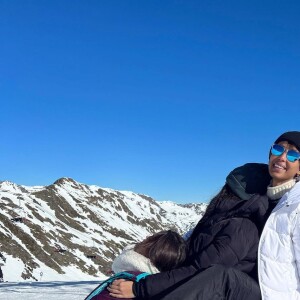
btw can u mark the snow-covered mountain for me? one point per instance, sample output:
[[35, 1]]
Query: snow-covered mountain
[[69, 230]]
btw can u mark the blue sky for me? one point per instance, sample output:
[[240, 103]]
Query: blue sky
[[157, 97]]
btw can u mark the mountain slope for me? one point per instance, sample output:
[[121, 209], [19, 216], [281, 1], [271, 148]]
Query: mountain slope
[[70, 228]]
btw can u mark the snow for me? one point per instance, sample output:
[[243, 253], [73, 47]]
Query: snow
[[112, 211], [14, 267], [51, 284], [50, 290]]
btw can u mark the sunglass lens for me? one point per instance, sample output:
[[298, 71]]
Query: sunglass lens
[[292, 155], [277, 150]]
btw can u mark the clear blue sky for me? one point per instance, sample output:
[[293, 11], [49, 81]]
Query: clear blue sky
[[157, 97]]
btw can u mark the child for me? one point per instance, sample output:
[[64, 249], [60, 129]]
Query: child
[[162, 251]]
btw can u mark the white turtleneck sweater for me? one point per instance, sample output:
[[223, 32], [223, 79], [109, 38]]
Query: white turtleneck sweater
[[276, 192]]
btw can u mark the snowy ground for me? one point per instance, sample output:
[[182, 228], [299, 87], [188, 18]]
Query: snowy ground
[[52, 290], [74, 285]]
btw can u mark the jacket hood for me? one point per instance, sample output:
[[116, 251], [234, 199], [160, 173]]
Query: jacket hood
[[248, 180], [249, 183]]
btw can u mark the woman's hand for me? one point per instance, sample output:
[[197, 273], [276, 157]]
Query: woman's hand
[[121, 288]]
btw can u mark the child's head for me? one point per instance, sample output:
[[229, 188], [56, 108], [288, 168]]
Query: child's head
[[165, 249]]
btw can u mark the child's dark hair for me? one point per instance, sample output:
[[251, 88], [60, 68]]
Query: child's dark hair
[[166, 250]]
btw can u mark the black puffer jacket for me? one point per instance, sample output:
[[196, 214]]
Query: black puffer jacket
[[228, 234]]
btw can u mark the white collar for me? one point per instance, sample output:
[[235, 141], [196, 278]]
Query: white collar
[[276, 192]]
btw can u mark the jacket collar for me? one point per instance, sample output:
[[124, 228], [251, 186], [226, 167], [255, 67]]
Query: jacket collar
[[291, 197]]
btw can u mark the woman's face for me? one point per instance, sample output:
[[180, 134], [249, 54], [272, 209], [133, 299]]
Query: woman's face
[[280, 169]]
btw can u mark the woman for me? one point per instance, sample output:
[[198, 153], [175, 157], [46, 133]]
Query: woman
[[159, 252], [227, 235], [279, 249]]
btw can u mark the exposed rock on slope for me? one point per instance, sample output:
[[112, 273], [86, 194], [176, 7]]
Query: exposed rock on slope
[[70, 225]]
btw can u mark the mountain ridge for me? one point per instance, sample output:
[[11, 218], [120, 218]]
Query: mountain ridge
[[73, 226]]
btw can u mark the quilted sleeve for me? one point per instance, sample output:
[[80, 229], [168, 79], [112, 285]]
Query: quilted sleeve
[[296, 240], [235, 241]]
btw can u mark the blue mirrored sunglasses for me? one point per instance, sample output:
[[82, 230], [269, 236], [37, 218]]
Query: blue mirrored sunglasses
[[291, 155]]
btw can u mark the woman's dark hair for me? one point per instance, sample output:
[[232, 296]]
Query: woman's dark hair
[[166, 250], [215, 205], [216, 202]]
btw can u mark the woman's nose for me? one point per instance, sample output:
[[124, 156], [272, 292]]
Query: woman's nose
[[283, 155]]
